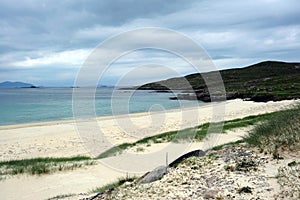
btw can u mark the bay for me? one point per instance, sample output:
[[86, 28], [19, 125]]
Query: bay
[[30, 105]]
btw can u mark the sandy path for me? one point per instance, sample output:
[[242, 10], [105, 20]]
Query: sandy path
[[62, 139], [47, 186]]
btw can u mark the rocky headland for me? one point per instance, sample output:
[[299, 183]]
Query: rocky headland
[[261, 82]]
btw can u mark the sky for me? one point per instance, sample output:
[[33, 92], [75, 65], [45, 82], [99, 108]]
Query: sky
[[47, 42]]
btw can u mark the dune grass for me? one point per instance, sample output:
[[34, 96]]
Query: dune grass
[[113, 185], [196, 133], [281, 132], [277, 130], [219, 147], [102, 189], [43, 165]]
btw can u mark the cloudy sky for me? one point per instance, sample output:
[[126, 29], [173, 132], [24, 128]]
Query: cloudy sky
[[46, 42]]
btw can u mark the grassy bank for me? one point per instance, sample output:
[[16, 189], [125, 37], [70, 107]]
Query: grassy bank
[[113, 185], [281, 132], [43, 165]]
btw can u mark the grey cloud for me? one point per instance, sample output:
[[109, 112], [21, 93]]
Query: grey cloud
[[41, 24], [84, 13], [231, 31], [235, 15]]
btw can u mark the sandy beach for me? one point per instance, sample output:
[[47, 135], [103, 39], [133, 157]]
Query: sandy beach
[[98, 96], [67, 138], [62, 139]]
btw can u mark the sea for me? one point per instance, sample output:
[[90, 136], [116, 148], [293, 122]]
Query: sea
[[32, 105]]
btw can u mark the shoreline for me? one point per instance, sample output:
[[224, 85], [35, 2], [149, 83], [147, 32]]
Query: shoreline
[[111, 117], [65, 139], [62, 140]]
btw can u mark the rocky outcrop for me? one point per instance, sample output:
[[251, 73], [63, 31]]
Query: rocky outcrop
[[197, 153], [154, 175], [160, 171], [206, 97]]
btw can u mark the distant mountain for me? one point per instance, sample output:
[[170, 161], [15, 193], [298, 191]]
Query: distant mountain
[[9, 84], [105, 86], [265, 81]]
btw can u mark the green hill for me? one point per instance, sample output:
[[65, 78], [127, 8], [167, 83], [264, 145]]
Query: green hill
[[264, 81]]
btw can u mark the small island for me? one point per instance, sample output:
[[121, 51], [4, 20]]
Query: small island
[[9, 84]]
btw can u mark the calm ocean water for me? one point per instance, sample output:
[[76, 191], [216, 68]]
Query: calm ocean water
[[27, 105]]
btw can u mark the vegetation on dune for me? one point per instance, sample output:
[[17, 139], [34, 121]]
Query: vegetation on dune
[[113, 185], [219, 147], [43, 165], [281, 132], [102, 189], [273, 132], [196, 133], [276, 135]]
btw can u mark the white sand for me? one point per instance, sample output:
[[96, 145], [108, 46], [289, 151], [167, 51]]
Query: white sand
[[62, 139]]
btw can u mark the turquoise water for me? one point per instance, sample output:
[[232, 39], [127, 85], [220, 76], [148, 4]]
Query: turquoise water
[[27, 105]]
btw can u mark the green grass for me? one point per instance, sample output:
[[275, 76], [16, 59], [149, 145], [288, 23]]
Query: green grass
[[115, 150], [196, 133], [113, 185], [43, 165], [101, 189], [219, 147], [281, 132]]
